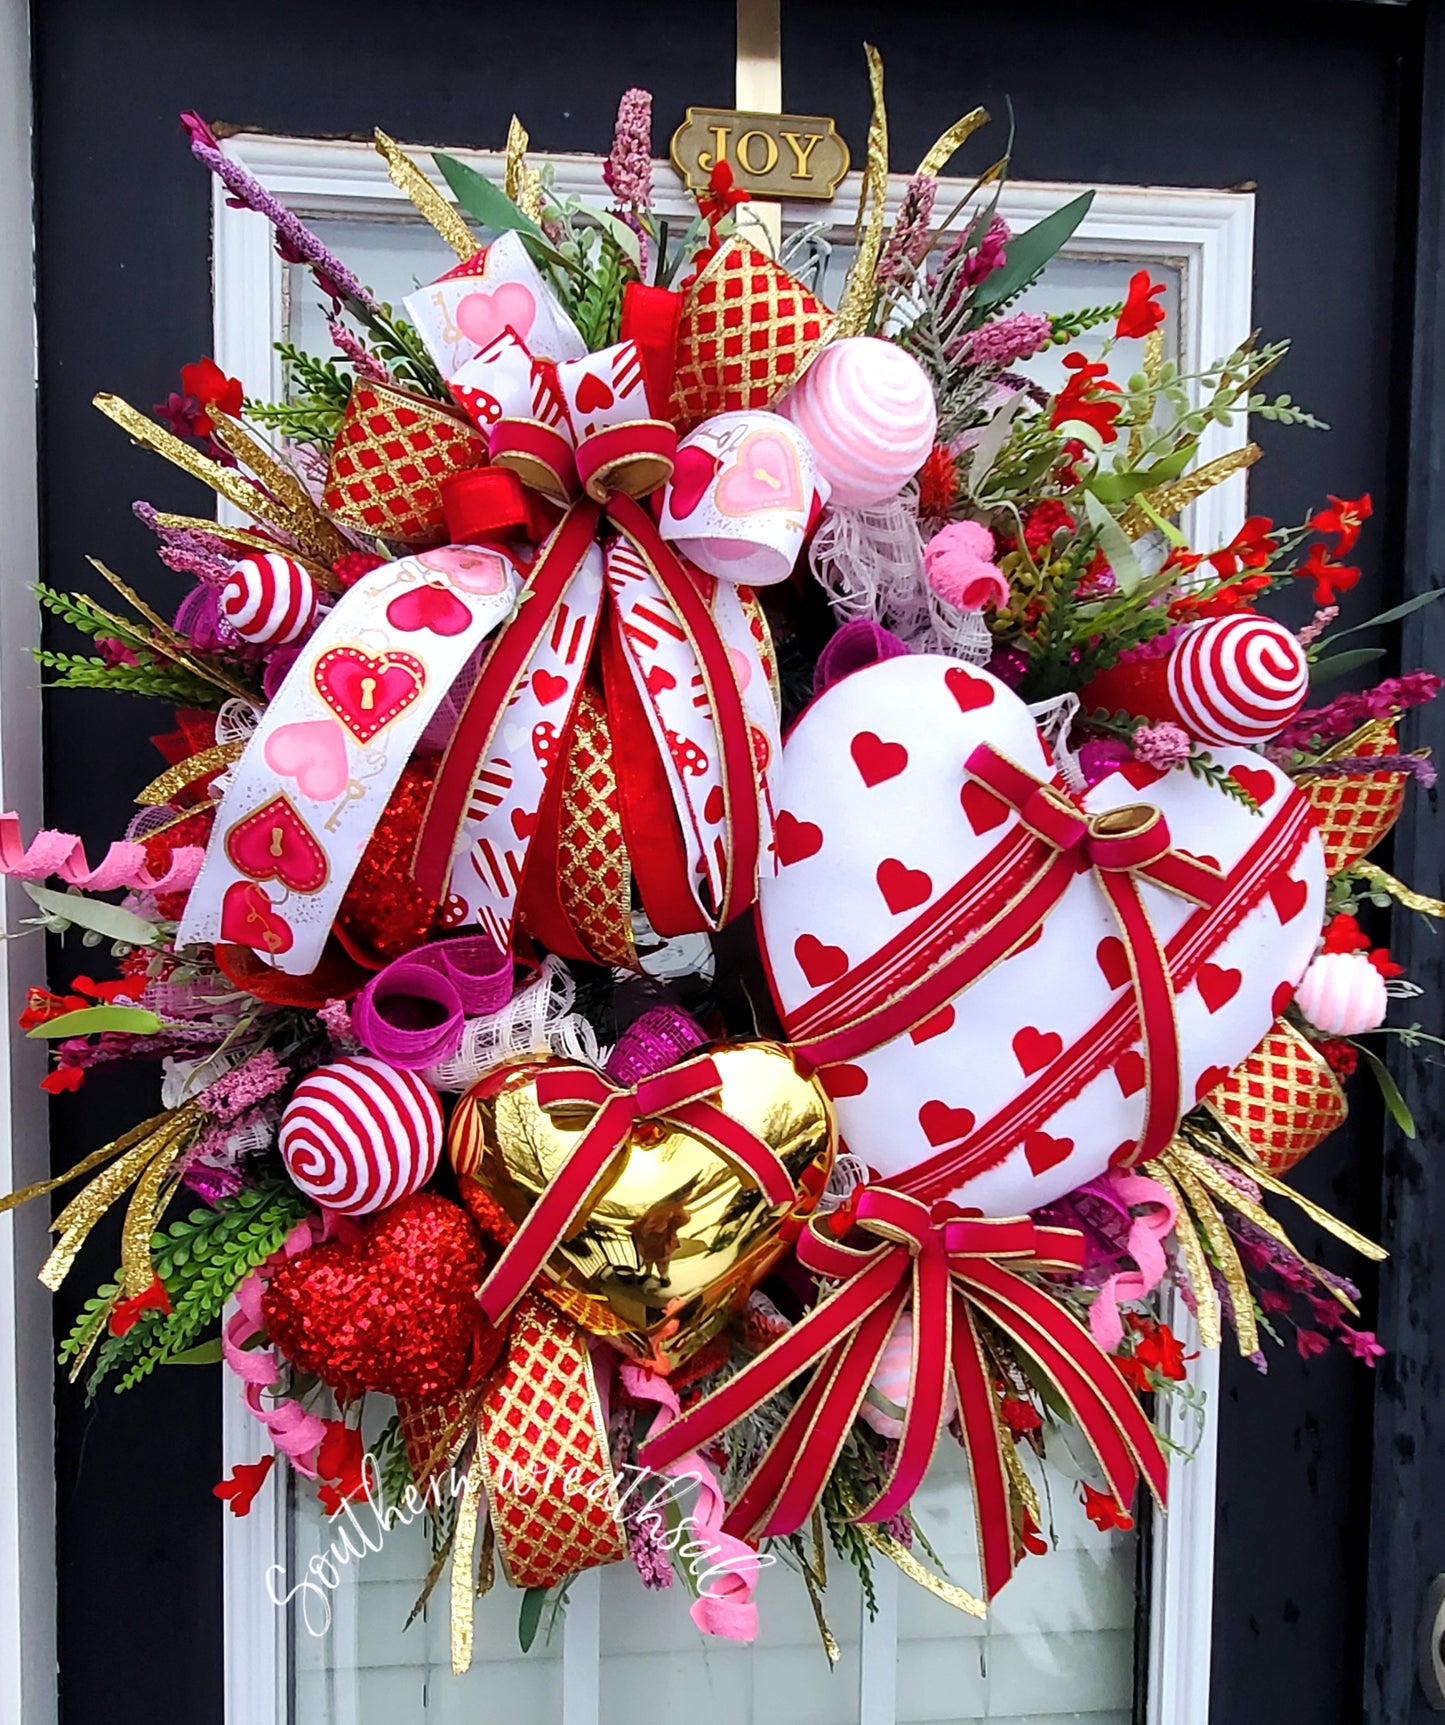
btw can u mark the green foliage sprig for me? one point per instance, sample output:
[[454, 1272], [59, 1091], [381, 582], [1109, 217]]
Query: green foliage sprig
[[166, 682], [201, 1260]]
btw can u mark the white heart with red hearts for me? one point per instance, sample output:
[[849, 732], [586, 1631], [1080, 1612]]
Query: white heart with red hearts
[[1022, 1087]]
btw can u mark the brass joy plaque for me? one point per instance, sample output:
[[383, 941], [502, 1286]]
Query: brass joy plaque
[[771, 155]]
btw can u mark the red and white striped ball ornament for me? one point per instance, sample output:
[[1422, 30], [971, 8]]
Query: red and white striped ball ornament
[[1237, 679], [269, 599], [359, 1135]]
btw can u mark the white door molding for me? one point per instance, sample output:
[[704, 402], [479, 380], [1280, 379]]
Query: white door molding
[[1208, 236], [27, 1363]]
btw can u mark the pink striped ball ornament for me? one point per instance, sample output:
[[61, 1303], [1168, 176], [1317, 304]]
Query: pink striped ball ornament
[[359, 1135], [1237, 679], [1343, 994], [269, 600], [866, 408]]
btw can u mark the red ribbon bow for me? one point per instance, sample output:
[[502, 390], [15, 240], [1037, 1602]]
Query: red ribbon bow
[[1122, 846], [952, 1267], [615, 466], [682, 1097]]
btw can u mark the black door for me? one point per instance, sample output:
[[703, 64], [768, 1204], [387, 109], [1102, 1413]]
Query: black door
[[1320, 106]]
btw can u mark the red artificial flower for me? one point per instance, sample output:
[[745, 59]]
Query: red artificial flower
[[1162, 1352], [1344, 519], [1362, 1344], [124, 988], [1251, 548], [1043, 521], [937, 484], [341, 1460], [1101, 1509], [1272, 1300], [1344, 934], [205, 383], [1142, 312], [1033, 1539], [1329, 578], [126, 1314], [1386, 965], [1020, 1416], [351, 568], [245, 1480], [41, 1006], [62, 1079], [721, 196], [1340, 1056], [1085, 397], [1308, 1343], [1134, 1373]]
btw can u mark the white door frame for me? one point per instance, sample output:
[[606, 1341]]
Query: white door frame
[[1209, 236], [27, 1357]]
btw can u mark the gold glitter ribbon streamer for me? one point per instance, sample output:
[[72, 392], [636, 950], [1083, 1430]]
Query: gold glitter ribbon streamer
[[952, 141], [464, 1544], [1168, 500], [1397, 889], [239, 536], [164, 642], [144, 1155], [407, 177], [523, 185], [1221, 1244], [899, 1555], [1208, 1314], [314, 534], [857, 307], [1322, 1218], [283, 484], [160, 790]]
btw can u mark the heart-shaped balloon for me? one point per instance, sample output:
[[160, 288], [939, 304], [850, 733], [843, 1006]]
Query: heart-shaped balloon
[[1030, 1081], [659, 1261], [395, 1313]]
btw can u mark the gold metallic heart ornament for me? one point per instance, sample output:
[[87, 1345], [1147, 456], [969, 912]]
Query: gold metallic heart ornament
[[675, 1232]]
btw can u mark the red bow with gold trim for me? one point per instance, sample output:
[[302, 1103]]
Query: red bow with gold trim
[[955, 1270]]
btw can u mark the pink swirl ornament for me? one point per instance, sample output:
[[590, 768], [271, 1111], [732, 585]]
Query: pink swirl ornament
[[269, 600], [892, 1378], [1237, 679], [866, 408], [1342, 994], [358, 1135]]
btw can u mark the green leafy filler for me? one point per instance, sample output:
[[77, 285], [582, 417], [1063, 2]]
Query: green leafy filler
[[201, 1260]]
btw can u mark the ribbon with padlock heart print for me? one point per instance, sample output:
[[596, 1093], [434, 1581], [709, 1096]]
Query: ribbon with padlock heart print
[[958, 1273], [611, 614], [317, 772]]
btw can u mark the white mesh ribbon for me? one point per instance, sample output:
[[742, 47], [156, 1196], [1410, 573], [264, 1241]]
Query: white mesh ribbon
[[540, 1020], [1055, 719], [870, 564]]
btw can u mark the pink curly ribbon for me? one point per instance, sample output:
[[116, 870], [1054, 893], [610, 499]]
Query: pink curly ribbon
[[726, 1606], [1145, 1246], [295, 1433], [123, 865]]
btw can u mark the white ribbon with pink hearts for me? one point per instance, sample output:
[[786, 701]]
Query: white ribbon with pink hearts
[[307, 794]]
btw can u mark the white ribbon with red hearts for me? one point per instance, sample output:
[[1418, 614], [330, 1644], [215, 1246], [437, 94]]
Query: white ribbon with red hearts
[[307, 794]]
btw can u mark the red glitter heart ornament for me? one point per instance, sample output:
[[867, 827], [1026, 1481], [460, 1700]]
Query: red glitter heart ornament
[[396, 1312]]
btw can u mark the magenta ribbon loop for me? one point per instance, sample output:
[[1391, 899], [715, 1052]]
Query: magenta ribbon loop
[[412, 1014]]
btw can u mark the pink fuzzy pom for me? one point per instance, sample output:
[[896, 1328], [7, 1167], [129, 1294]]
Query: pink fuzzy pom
[[958, 562]]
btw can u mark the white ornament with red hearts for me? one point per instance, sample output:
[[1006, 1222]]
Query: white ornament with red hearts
[[1031, 1081]]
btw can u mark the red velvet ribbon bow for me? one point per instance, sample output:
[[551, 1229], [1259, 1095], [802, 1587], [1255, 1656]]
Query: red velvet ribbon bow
[[1122, 846], [614, 467], [682, 1097], [952, 1268]]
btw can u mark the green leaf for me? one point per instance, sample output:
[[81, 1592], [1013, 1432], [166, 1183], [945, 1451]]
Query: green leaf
[[1393, 615], [1336, 664], [1394, 1101], [203, 1354], [1028, 253], [622, 235], [490, 205], [95, 914], [529, 1619], [1120, 487], [1115, 544], [92, 1020]]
